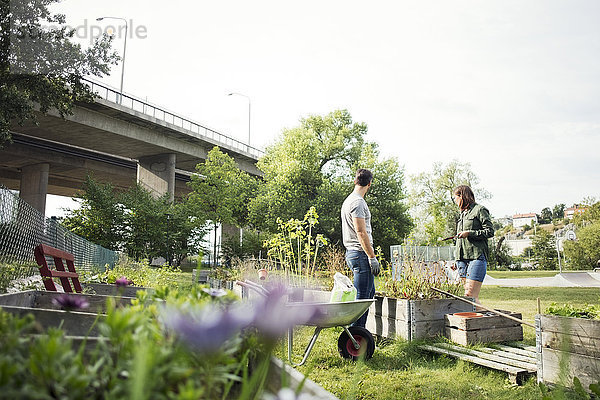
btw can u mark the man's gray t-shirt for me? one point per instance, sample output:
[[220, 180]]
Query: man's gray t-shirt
[[354, 206]]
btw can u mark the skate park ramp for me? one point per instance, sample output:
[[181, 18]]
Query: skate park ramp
[[565, 279]]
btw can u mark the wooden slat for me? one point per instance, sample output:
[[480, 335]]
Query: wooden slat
[[528, 351], [529, 367], [509, 354], [516, 374], [52, 252], [574, 343], [586, 368], [573, 326], [435, 309]]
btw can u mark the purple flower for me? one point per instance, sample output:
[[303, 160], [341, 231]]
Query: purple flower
[[274, 316], [206, 329], [123, 282], [70, 302], [215, 292]]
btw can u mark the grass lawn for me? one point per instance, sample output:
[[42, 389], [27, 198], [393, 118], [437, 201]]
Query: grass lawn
[[399, 370]]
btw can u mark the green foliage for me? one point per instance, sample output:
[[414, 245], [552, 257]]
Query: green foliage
[[40, 66], [251, 245], [100, 217], [588, 311], [558, 211], [221, 191], [584, 253], [314, 165], [138, 358], [431, 200], [297, 244], [544, 250], [140, 273], [135, 222], [500, 254]]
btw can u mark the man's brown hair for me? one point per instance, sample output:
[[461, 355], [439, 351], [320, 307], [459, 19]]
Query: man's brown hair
[[363, 177]]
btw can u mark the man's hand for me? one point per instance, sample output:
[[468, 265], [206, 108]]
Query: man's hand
[[463, 234], [374, 266]]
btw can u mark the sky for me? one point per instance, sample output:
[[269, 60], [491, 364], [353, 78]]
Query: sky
[[510, 87]]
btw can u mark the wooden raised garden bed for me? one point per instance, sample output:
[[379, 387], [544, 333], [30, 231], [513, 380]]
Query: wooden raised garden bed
[[573, 342], [411, 319]]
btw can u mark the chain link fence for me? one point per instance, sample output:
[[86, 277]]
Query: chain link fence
[[22, 228]]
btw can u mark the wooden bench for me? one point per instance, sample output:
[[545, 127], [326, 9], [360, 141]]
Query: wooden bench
[[41, 252]]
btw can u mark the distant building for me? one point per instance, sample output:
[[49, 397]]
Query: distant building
[[504, 221], [573, 211], [519, 220]]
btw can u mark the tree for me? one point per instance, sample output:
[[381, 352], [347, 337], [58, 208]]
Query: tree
[[544, 250], [546, 216], [40, 68], [584, 253], [99, 218], [221, 191], [558, 212], [314, 165], [135, 222], [431, 200]]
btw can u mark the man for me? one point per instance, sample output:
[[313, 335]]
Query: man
[[357, 238]]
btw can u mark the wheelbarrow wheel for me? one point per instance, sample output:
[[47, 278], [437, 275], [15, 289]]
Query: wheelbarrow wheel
[[365, 340]]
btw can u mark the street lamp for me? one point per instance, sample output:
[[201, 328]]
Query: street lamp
[[124, 50], [243, 95]]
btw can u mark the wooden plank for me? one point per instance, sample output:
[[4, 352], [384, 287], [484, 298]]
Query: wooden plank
[[73, 323], [435, 309], [388, 327], [52, 252], [389, 307], [573, 326], [427, 329], [483, 322], [585, 368], [511, 333], [518, 348], [529, 367], [509, 354], [21, 299], [574, 343], [516, 375]]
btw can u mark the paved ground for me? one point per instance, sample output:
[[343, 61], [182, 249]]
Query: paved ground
[[566, 279]]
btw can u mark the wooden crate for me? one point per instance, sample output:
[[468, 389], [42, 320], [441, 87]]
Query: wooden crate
[[411, 319], [573, 342], [489, 328]]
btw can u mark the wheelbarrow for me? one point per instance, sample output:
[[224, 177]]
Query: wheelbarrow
[[354, 342]]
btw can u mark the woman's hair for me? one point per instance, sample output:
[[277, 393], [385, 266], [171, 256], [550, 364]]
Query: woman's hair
[[466, 194], [363, 177]]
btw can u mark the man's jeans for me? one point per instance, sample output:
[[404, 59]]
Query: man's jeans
[[364, 281]]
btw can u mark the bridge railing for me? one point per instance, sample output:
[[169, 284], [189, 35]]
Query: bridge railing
[[196, 129]]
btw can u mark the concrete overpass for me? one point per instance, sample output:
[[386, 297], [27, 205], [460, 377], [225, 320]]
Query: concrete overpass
[[117, 138]]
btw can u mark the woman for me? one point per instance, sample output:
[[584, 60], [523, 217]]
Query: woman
[[473, 229]]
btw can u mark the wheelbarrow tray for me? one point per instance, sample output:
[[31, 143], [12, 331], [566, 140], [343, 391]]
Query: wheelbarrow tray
[[335, 314]]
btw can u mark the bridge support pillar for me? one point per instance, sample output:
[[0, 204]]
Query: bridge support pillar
[[34, 185], [157, 174]]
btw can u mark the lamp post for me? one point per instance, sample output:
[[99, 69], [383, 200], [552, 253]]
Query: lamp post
[[124, 50], [248, 98]]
